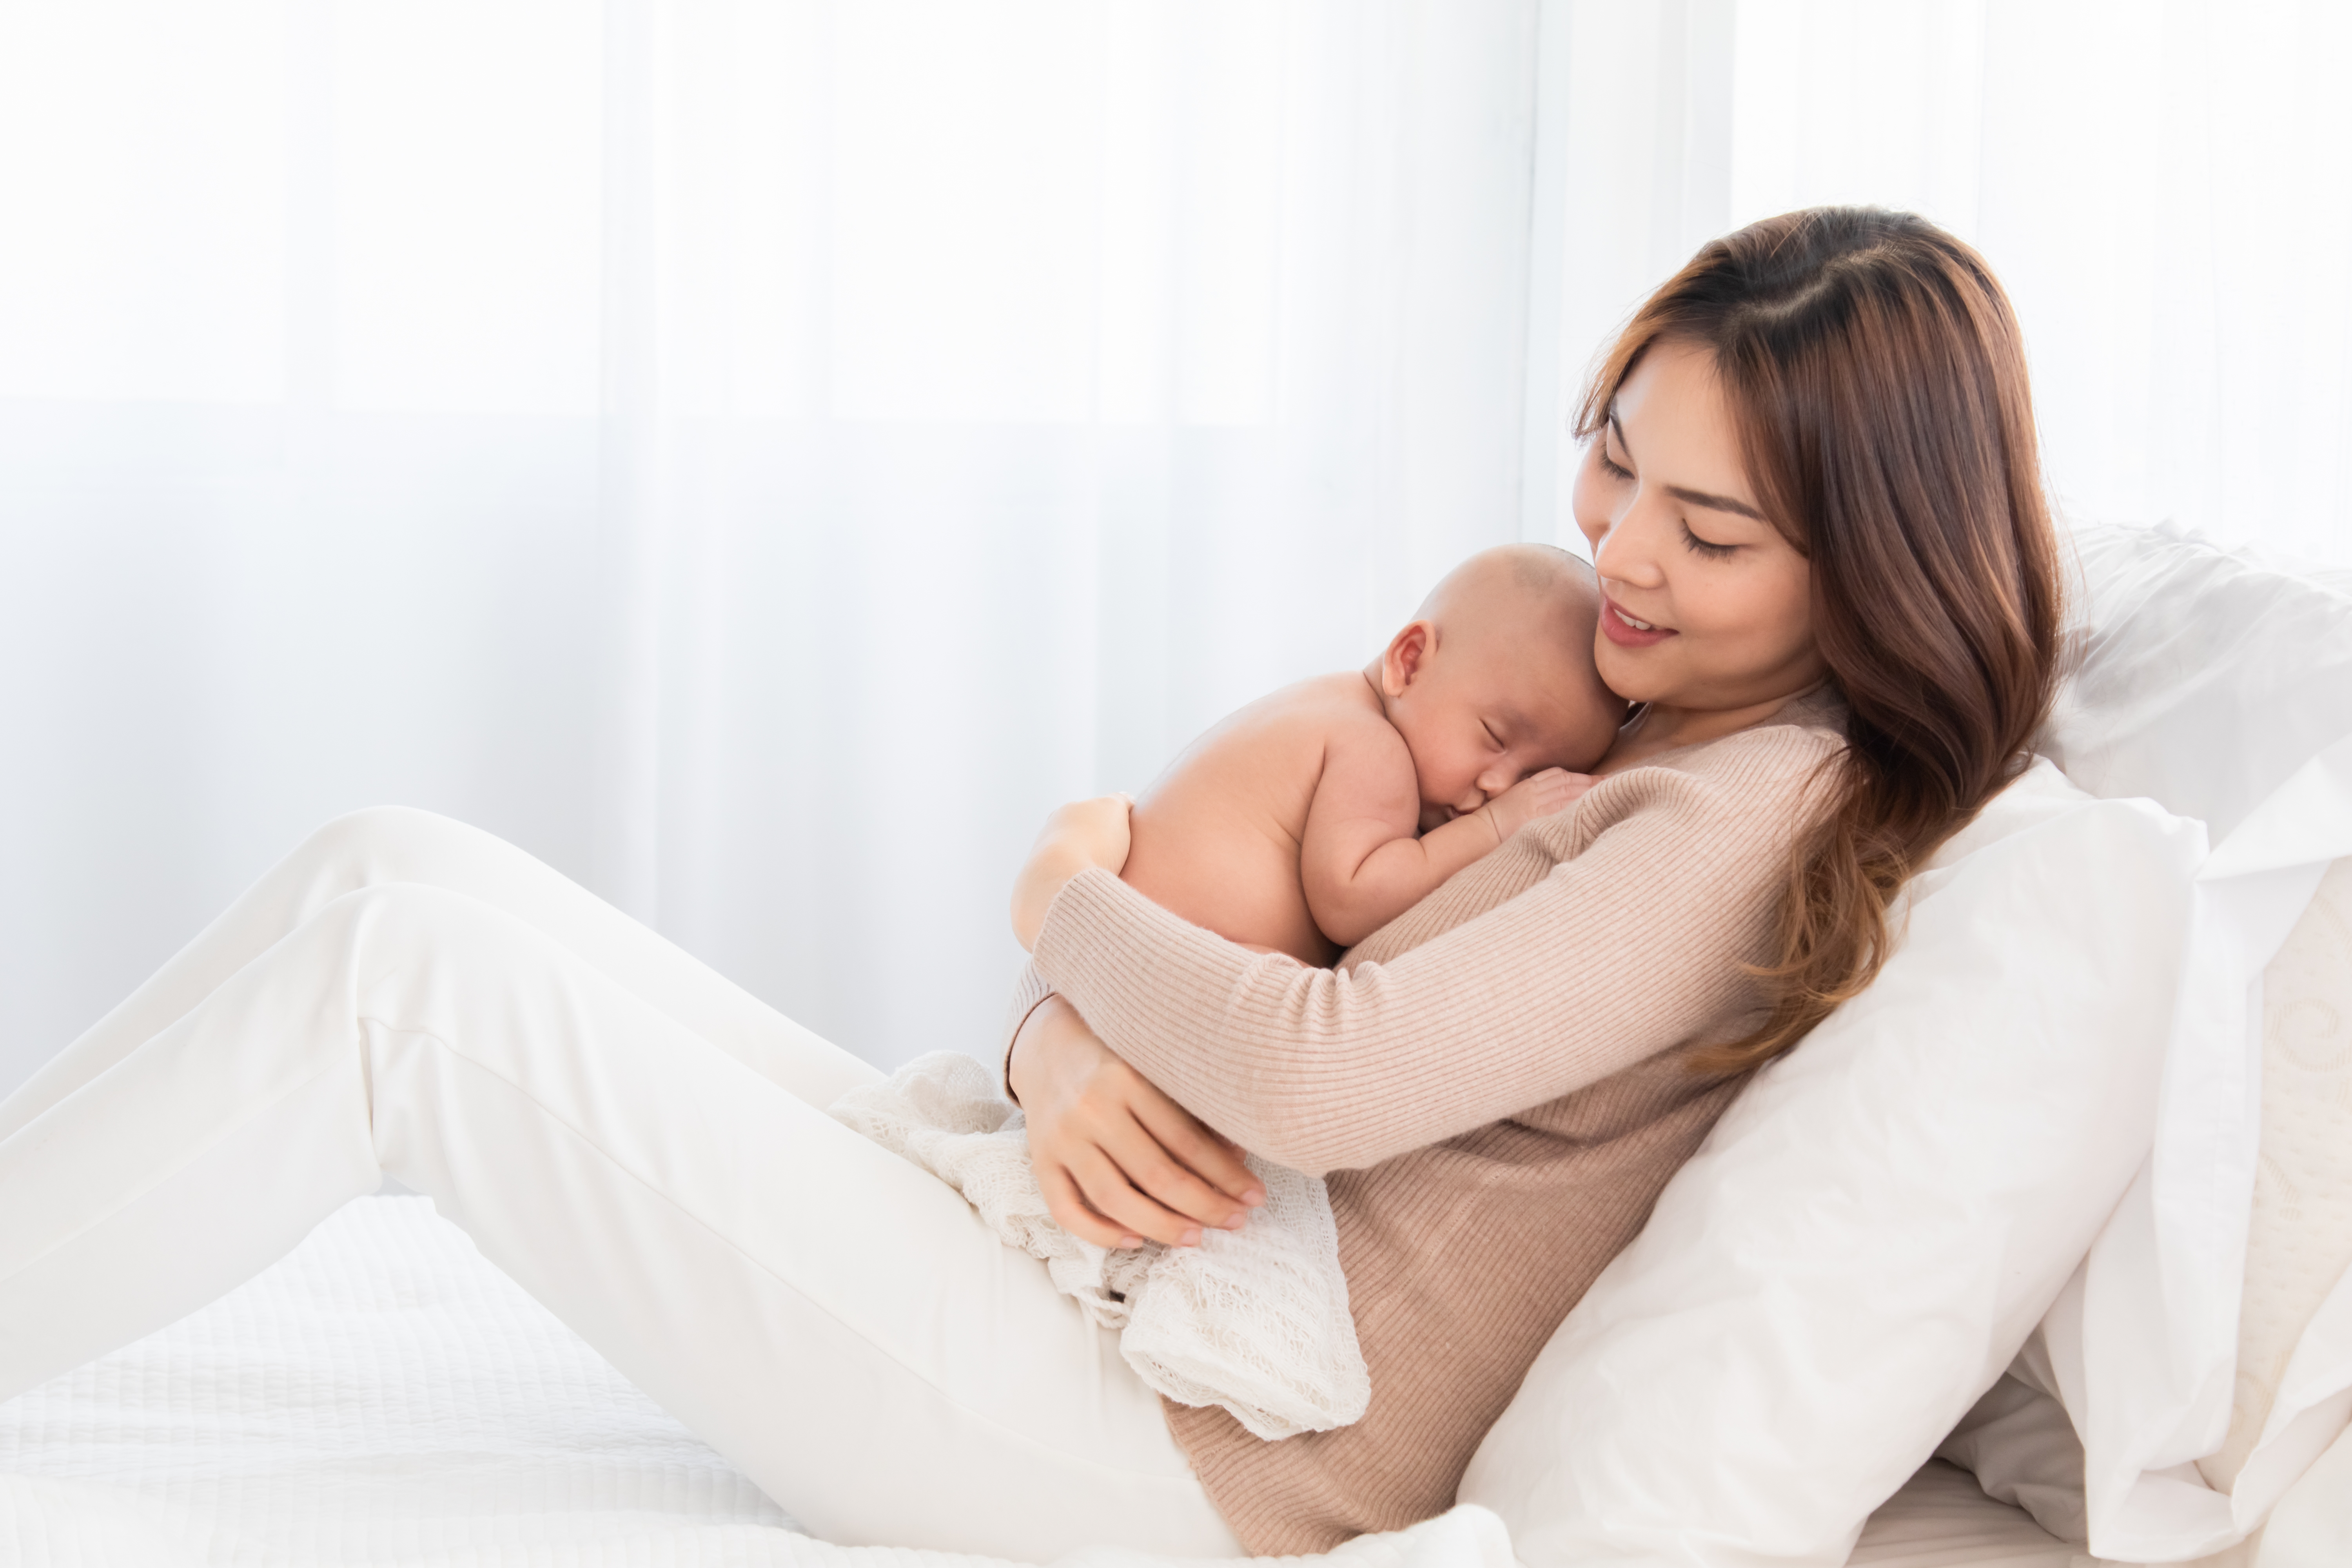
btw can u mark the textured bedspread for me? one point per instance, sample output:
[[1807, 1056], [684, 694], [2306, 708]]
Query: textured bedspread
[[383, 1396]]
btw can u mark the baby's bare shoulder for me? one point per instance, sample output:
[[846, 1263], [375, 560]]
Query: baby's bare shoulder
[[1335, 714], [1302, 733]]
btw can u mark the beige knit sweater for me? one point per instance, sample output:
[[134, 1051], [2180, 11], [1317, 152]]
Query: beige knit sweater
[[1497, 1083]]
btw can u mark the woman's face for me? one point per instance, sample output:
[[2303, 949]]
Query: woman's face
[[1705, 605]]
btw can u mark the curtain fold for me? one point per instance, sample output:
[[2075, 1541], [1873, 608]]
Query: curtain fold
[[760, 454], [2165, 190]]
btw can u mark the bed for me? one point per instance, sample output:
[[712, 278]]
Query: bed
[[383, 1396]]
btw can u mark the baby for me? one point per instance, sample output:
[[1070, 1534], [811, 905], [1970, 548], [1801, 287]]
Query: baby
[[1312, 817], [1301, 824]]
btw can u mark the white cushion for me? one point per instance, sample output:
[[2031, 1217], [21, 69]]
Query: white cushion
[[2220, 686], [2300, 1244], [2294, 1386], [1869, 1234], [2206, 678]]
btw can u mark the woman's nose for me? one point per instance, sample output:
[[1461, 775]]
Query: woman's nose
[[1628, 552]]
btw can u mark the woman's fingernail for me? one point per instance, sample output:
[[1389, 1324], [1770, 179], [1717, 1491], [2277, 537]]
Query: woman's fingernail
[[1130, 1241], [1254, 1197], [1236, 1222], [1192, 1237]]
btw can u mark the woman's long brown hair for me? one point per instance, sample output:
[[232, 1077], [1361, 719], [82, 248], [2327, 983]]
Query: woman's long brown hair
[[1876, 374]]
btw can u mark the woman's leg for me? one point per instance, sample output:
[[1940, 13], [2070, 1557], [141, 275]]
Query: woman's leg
[[833, 1319], [397, 844]]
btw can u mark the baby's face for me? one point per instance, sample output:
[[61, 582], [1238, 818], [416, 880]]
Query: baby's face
[[1483, 715]]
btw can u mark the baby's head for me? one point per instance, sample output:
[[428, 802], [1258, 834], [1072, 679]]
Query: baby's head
[[1493, 678]]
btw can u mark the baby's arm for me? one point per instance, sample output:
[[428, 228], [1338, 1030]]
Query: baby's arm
[[1359, 862]]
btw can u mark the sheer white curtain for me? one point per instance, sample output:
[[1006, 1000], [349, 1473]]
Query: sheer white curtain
[[2166, 189], [760, 454], [757, 455]]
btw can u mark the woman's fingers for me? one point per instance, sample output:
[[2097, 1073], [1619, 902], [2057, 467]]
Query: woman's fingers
[[1111, 1150], [1169, 1184], [1073, 1214], [1214, 1159], [1113, 1196], [1110, 1190], [1104, 1191]]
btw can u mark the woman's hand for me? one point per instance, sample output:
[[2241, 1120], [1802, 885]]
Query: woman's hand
[[1117, 1159], [1082, 834]]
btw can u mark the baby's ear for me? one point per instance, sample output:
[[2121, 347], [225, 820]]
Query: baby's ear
[[1407, 657]]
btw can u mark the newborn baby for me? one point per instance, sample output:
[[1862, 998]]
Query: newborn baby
[[1312, 817], [1301, 824]]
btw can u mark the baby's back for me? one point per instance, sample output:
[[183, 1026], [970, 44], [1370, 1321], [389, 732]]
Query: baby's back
[[1217, 837]]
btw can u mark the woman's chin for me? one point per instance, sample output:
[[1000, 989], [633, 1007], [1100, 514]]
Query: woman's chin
[[1637, 675]]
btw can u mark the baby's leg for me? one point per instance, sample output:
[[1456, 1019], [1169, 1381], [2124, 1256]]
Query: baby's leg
[[396, 844]]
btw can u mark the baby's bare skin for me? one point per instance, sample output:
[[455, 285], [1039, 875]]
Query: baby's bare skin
[[1312, 817], [1220, 837]]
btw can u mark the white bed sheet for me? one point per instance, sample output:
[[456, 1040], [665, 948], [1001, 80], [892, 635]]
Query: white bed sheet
[[382, 1396]]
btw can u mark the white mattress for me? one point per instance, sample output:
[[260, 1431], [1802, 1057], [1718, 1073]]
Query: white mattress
[[383, 1396]]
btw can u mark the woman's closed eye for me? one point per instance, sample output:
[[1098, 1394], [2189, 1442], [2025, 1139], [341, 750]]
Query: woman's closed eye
[[1705, 547]]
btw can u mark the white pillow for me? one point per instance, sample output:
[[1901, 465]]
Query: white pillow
[[2314, 1519], [2206, 678], [2221, 688], [1869, 1234], [2022, 1448], [2295, 1326], [2293, 1384]]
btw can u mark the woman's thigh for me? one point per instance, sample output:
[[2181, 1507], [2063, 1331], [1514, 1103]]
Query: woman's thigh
[[833, 1319], [388, 844]]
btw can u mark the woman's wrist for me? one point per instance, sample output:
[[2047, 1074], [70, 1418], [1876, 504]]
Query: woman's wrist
[[1024, 1034], [1043, 1048]]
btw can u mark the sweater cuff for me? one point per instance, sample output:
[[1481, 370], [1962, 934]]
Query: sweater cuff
[[1138, 973], [1089, 905], [1029, 994]]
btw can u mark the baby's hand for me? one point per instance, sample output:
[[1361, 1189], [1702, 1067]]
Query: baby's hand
[[1538, 794]]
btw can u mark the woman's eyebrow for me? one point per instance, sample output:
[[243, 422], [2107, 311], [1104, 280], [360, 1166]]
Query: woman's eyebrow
[[1684, 492], [1714, 502]]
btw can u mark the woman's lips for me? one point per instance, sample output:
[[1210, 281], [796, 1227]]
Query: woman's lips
[[1623, 632]]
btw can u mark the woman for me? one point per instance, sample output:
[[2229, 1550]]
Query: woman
[[1811, 490]]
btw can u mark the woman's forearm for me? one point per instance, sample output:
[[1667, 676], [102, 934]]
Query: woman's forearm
[[1539, 978]]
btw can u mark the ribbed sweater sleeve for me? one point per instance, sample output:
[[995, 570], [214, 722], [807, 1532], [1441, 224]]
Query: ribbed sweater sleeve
[[1593, 940]]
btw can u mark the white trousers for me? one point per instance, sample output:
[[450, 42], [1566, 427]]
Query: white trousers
[[637, 1141]]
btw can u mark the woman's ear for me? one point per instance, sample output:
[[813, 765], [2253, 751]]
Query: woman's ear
[[1407, 657]]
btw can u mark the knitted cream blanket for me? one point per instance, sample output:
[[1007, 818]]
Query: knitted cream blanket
[[1254, 1320]]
